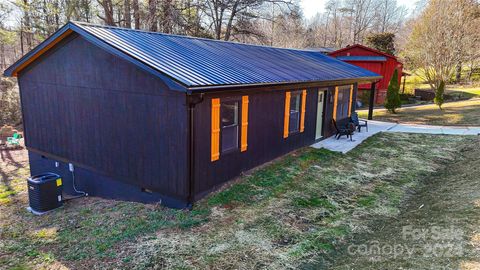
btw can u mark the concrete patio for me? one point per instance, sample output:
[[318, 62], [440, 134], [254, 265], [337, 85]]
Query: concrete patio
[[344, 144]]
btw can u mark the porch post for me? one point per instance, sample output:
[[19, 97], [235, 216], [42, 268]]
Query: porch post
[[372, 100]]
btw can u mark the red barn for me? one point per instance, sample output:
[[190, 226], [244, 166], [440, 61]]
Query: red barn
[[373, 60]]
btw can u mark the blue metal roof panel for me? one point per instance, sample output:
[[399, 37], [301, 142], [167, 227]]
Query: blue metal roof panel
[[199, 62], [205, 62], [362, 58]]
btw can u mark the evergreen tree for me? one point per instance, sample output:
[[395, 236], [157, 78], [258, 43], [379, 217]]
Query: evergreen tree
[[439, 94], [393, 94], [384, 42]]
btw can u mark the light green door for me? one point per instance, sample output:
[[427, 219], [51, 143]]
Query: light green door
[[319, 128]]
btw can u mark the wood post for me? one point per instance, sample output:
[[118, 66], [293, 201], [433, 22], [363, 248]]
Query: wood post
[[372, 101]]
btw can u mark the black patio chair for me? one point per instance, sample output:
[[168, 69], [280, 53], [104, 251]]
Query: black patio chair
[[344, 131], [358, 123]]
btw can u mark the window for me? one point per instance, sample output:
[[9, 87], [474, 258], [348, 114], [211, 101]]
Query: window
[[294, 122], [229, 125], [294, 114], [343, 102]]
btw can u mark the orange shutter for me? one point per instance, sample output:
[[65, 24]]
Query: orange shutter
[[287, 115], [244, 144], [351, 101], [302, 116], [215, 155], [335, 103]]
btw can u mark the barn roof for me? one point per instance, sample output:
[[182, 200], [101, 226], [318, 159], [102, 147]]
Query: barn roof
[[350, 47], [198, 63], [362, 58]]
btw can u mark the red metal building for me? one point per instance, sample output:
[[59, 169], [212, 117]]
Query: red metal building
[[373, 60]]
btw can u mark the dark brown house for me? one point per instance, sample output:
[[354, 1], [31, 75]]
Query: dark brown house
[[152, 117]]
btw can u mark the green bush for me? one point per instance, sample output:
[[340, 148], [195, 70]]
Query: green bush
[[10, 113], [392, 102], [364, 97], [439, 94]]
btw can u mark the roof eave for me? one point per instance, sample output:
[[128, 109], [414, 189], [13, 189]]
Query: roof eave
[[232, 87], [70, 28], [363, 47], [39, 50], [356, 60]]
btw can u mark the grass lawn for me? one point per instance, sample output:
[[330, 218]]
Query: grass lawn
[[296, 212], [453, 114], [448, 203], [463, 92], [460, 91]]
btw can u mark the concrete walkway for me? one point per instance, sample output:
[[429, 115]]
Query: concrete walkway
[[344, 145]]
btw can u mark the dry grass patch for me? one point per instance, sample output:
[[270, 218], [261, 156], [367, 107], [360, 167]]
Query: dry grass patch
[[446, 202], [454, 113], [292, 213]]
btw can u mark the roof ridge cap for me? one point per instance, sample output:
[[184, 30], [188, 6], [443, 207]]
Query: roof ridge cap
[[78, 23]]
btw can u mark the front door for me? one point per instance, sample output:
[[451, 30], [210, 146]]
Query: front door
[[319, 129]]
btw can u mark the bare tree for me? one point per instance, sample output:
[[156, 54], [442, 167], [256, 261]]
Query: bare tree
[[127, 15], [167, 18], [223, 14], [436, 44], [136, 13], [152, 19], [26, 34], [107, 17], [363, 15], [389, 16]]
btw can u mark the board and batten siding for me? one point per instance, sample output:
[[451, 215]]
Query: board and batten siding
[[102, 113], [265, 132]]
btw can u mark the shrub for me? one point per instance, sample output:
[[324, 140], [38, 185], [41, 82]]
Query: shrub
[[439, 94], [10, 114], [393, 101], [364, 97]]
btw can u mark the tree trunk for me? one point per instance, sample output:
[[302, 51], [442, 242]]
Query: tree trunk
[[127, 15], [27, 30], [86, 10], [167, 20], [458, 72], [56, 16], [228, 30], [46, 20], [136, 14], [21, 35], [470, 72], [152, 15], [108, 10], [3, 63]]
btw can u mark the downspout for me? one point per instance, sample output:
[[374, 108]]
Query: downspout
[[192, 100]]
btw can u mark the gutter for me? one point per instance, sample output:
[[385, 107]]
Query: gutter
[[192, 100], [214, 88]]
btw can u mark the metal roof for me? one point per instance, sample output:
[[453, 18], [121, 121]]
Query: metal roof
[[324, 50], [359, 46], [362, 58], [199, 62]]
